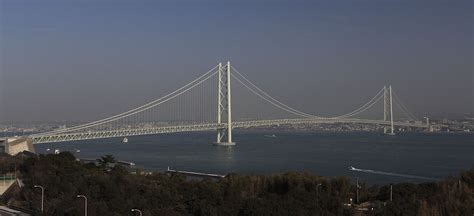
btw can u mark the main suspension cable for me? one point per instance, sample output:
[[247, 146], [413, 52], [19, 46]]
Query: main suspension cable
[[142, 108]]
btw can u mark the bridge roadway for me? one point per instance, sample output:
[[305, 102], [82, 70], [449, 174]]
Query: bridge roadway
[[204, 127]]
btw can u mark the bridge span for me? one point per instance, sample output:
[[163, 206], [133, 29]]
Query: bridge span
[[205, 127], [218, 108]]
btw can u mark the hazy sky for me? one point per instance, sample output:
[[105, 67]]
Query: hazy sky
[[79, 60]]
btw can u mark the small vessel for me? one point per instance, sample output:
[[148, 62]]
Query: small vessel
[[351, 168], [78, 150], [125, 140], [48, 149], [271, 136]]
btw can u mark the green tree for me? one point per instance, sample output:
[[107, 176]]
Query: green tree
[[106, 161]]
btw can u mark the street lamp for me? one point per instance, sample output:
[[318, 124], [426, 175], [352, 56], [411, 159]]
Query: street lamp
[[391, 192], [317, 191], [357, 193], [42, 196], [85, 203], [137, 210]]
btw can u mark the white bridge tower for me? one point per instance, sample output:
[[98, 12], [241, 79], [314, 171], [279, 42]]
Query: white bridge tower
[[388, 109], [224, 106]]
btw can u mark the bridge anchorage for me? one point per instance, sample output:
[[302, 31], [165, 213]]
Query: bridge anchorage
[[194, 106]]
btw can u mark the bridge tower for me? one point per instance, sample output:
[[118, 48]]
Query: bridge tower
[[388, 108], [224, 105]]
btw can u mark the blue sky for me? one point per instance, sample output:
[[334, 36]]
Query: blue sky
[[73, 60]]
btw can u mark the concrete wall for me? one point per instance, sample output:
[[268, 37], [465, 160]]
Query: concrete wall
[[5, 184], [15, 145]]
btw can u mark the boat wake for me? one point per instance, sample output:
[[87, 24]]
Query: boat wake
[[391, 174]]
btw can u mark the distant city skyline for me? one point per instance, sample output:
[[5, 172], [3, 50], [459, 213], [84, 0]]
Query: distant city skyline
[[82, 60]]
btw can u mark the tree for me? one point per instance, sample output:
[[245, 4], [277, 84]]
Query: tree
[[106, 161]]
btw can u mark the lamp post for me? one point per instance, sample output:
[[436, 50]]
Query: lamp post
[[42, 196], [85, 203], [357, 192], [317, 187], [137, 210], [391, 192]]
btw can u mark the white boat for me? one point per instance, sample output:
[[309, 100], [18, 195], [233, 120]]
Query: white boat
[[125, 140], [351, 168], [271, 136]]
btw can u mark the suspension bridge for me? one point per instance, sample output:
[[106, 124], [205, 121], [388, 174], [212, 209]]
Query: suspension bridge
[[208, 104]]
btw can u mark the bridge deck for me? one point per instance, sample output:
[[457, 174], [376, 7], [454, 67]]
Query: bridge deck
[[202, 127]]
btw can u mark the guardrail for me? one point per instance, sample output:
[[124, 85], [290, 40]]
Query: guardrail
[[7, 177]]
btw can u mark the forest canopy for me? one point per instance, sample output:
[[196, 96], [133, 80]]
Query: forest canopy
[[115, 190]]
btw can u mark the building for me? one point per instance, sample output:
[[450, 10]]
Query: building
[[15, 145]]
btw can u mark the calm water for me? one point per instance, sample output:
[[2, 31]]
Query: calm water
[[327, 154]]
